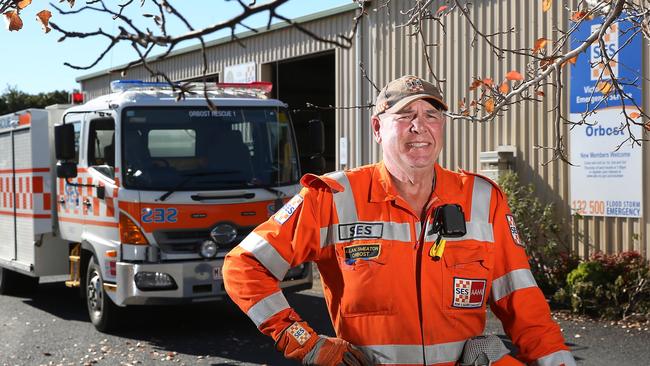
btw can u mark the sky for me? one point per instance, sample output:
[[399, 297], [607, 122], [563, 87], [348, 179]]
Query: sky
[[33, 61]]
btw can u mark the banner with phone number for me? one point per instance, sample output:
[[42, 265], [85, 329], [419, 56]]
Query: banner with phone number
[[606, 179]]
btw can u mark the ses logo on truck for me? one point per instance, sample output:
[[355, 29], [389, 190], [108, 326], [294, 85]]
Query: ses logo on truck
[[468, 293], [159, 215]]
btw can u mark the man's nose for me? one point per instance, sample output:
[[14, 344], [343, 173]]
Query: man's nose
[[416, 124]]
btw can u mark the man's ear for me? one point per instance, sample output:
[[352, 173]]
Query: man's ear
[[376, 126]]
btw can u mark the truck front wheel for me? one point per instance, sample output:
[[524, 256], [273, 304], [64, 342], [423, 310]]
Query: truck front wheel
[[101, 309]]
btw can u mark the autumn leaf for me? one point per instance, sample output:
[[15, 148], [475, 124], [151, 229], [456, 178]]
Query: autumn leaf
[[604, 87], [489, 105], [473, 103], [22, 4], [465, 112], [546, 62], [540, 93], [441, 9], [43, 17], [573, 60], [647, 126], [514, 75], [635, 115], [504, 88], [579, 15], [488, 82], [540, 43], [461, 104], [546, 5], [14, 23], [475, 84]]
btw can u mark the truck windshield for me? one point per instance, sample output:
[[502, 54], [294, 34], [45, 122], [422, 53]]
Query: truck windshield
[[229, 148]]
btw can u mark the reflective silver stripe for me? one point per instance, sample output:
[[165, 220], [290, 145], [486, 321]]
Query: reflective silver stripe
[[390, 231], [267, 307], [558, 358], [346, 208], [481, 194], [266, 254], [412, 354], [511, 282], [481, 231]]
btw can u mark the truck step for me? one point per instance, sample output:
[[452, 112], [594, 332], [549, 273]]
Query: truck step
[[74, 258]]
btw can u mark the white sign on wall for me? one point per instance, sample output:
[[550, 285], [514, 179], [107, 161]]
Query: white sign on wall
[[241, 73]]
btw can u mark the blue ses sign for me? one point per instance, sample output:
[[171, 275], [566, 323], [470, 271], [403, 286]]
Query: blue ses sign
[[606, 178]]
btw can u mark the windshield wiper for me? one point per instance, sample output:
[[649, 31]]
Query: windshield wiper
[[189, 177]]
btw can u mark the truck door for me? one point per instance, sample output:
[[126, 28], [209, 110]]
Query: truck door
[[68, 199], [99, 193]]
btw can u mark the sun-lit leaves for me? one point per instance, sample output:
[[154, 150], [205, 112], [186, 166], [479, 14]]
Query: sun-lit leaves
[[14, 23], [22, 4], [475, 84], [635, 115], [488, 82], [513, 75], [540, 93], [546, 5], [604, 87], [577, 16], [442, 9], [504, 88], [540, 44], [489, 105], [43, 17]]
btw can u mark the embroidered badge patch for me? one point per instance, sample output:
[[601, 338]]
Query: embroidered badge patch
[[361, 251], [288, 209], [360, 230], [468, 293], [299, 333], [514, 232]]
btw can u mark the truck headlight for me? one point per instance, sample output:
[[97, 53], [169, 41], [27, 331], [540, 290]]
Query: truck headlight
[[154, 281], [208, 249]]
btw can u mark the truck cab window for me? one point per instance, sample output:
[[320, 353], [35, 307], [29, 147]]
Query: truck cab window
[[101, 146]]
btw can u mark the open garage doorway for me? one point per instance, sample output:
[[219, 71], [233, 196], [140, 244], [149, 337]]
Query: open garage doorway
[[307, 80]]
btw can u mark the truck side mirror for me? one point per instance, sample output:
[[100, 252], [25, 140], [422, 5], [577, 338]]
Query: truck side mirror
[[314, 164], [316, 137], [66, 169], [64, 142]]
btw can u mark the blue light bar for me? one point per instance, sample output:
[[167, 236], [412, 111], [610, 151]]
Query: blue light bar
[[124, 85]]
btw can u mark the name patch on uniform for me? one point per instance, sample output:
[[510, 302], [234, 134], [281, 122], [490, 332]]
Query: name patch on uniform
[[513, 231], [360, 230], [288, 209], [468, 293], [361, 251], [299, 333]]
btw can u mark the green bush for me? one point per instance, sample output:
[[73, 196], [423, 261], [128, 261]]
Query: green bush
[[609, 286], [546, 242]]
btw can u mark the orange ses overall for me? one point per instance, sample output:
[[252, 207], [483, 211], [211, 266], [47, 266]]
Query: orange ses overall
[[384, 292]]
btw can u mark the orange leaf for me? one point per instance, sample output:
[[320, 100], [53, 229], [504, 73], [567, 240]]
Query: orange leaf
[[514, 75], [473, 103], [22, 4], [441, 9], [475, 84], [573, 60], [465, 112], [43, 17], [488, 82], [635, 115], [578, 15], [647, 126], [540, 93], [539, 44], [504, 88], [14, 23], [546, 62], [461, 104], [546, 5], [489, 105], [604, 87]]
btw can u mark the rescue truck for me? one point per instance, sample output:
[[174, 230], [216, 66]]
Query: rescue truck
[[138, 195]]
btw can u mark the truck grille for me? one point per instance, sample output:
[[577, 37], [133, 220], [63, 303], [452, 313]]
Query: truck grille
[[188, 241]]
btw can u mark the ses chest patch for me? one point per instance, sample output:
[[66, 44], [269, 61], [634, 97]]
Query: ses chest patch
[[468, 293], [288, 209]]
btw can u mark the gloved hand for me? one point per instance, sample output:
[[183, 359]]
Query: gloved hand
[[335, 352], [300, 342]]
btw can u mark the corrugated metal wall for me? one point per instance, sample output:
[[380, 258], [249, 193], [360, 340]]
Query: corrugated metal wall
[[387, 51]]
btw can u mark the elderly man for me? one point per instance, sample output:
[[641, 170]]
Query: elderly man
[[396, 293]]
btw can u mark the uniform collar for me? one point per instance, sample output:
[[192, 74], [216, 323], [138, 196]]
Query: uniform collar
[[382, 188]]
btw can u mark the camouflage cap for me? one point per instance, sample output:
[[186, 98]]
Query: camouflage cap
[[400, 92]]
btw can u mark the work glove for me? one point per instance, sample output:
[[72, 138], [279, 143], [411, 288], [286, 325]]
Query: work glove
[[335, 352], [300, 342]]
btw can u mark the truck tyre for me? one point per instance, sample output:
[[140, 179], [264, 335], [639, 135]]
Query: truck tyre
[[101, 309]]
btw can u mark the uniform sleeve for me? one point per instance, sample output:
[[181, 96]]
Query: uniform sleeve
[[252, 270], [518, 302]]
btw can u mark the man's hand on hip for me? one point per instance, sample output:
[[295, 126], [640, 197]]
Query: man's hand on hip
[[335, 352]]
